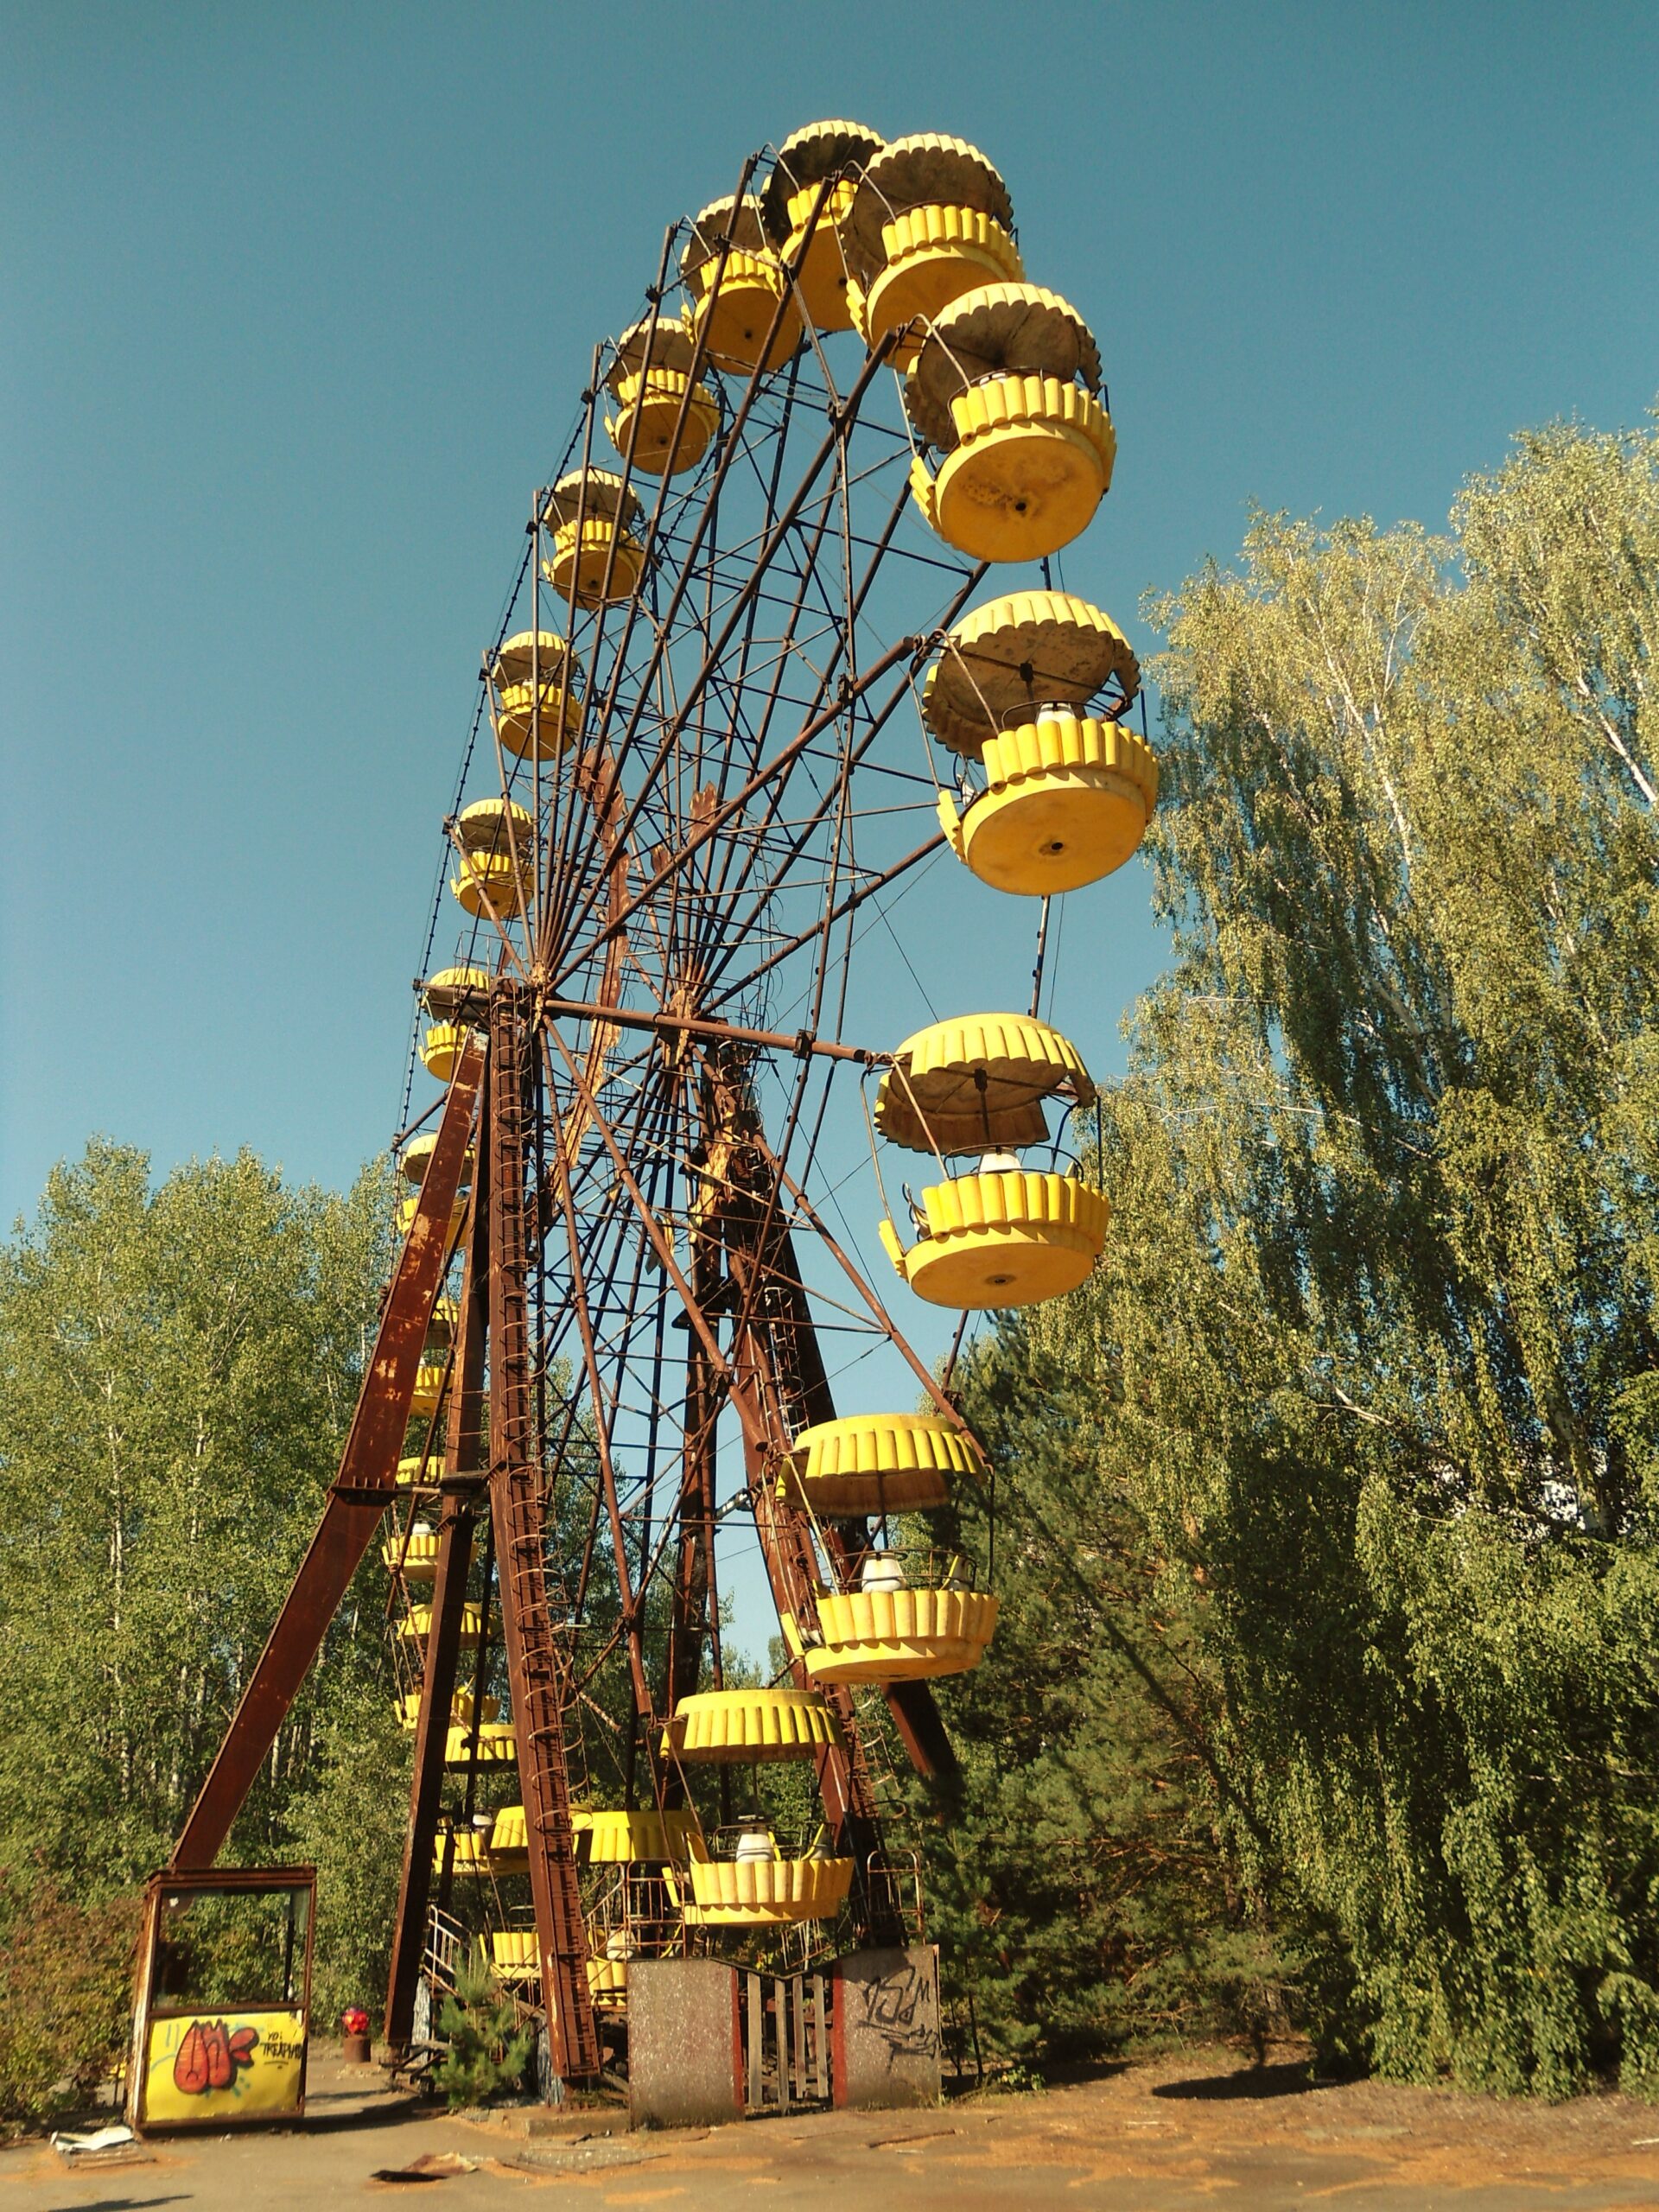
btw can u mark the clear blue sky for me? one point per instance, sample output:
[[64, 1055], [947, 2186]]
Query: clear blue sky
[[297, 303]]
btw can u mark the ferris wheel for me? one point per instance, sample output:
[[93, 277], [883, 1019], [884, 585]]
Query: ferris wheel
[[782, 636]]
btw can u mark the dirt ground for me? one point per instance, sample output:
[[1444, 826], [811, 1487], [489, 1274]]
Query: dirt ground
[[1194, 2130]]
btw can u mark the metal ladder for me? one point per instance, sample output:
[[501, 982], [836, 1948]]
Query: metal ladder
[[516, 1508]]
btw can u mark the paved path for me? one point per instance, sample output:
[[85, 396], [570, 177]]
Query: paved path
[[1182, 2132]]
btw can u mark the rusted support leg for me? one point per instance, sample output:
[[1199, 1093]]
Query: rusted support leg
[[455, 1531], [362, 1490]]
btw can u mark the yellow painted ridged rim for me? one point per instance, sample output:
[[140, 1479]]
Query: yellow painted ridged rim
[[924, 230], [744, 271], [1022, 1200], [497, 1745], [516, 722], [736, 315], [875, 1445], [1063, 740], [581, 554], [461, 1709], [900, 1635], [748, 1726], [489, 884], [761, 1892], [668, 385], [1042, 402], [623, 1838], [797, 210], [419, 1556], [417, 1622]]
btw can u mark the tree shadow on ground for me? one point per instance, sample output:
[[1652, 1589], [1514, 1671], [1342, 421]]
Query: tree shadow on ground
[[1291, 2080]]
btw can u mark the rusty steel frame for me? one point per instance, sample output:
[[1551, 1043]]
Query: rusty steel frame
[[773, 1375], [516, 1483], [463, 1493], [365, 1485]]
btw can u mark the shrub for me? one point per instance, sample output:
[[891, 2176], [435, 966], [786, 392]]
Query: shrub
[[65, 1994], [488, 2051]]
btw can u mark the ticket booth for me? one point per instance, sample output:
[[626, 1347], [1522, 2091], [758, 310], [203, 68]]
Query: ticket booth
[[223, 1998]]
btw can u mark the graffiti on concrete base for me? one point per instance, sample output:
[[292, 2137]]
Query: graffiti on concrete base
[[898, 2010]]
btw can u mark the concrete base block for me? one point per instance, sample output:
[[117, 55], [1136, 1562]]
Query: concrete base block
[[884, 2048], [685, 2046]]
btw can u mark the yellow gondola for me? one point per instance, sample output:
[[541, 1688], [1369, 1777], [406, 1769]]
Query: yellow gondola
[[469, 1853], [806, 160], [740, 295], [416, 1625], [752, 1891], [931, 219], [597, 555], [461, 1709], [416, 1157], [1003, 386], [1001, 1239], [430, 1378], [1068, 793], [532, 666], [664, 422], [495, 842], [404, 1214], [895, 1634], [458, 1001], [497, 1746], [415, 1555]]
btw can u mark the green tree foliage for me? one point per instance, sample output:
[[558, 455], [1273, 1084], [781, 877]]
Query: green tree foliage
[[488, 2051], [178, 1366], [1372, 1358], [66, 1984]]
